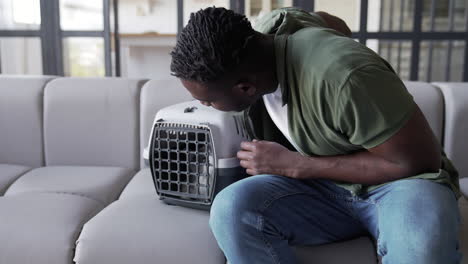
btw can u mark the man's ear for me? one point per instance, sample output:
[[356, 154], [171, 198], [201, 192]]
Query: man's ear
[[245, 89]]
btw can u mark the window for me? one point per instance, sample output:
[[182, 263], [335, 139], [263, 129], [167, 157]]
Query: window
[[422, 39], [55, 37]]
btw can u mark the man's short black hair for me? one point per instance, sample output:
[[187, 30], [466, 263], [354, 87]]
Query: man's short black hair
[[211, 44]]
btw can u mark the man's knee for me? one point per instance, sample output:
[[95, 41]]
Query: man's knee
[[420, 246], [421, 200], [418, 222]]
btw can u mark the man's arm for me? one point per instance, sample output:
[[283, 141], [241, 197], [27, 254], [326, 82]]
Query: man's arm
[[335, 23], [412, 150]]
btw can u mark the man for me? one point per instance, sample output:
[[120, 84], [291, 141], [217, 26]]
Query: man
[[349, 153]]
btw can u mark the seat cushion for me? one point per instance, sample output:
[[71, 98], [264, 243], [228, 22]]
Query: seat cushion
[[145, 230], [92, 122], [42, 228], [155, 95], [102, 184], [8, 174], [141, 185], [21, 105], [357, 251]]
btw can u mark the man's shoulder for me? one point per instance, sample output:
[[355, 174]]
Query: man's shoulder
[[319, 55], [287, 21]]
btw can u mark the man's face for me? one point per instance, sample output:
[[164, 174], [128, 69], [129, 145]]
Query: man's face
[[221, 96]]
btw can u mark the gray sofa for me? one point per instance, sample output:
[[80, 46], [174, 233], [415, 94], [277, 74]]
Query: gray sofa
[[74, 188]]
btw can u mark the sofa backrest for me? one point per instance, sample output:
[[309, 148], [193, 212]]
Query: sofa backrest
[[456, 124], [107, 121], [21, 104], [157, 94], [430, 100], [92, 122]]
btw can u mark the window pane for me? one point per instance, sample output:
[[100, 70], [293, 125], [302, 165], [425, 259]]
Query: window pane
[[81, 15], [20, 14], [390, 15], [191, 6], [20, 56], [441, 11], [396, 52], [348, 10], [83, 57], [444, 63], [143, 16], [255, 9]]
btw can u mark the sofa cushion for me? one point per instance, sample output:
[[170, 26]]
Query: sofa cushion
[[360, 250], [42, 228], [102, 184], [430, 100], [456, 124], [464, 187], [157, 94], [8, 174], [141, 185], [21, 104], [357, 251], [144, 230], [92, 122]]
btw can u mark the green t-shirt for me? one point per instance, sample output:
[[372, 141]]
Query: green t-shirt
[[341, 96]]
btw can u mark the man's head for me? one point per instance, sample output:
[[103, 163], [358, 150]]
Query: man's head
[[222, 60]]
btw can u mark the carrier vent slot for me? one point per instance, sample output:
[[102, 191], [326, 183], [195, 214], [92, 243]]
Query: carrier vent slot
[[244, 129], [240, 126], [237, 125]]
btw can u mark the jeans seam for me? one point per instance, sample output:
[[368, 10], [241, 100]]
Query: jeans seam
[[265, 240], [260, 226], [267, 204], [261, 210], [380, 248]]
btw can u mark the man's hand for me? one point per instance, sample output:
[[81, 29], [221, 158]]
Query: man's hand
[[265, 157]]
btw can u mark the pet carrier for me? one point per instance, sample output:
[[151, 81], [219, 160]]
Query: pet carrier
[[192, 152]]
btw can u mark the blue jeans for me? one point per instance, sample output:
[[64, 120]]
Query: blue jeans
[[257, 219]]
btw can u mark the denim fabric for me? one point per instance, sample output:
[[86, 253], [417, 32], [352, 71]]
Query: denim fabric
[[257, 219]]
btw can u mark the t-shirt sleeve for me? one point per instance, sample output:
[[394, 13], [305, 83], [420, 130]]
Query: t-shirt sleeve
[[372, 105], [287, 20]]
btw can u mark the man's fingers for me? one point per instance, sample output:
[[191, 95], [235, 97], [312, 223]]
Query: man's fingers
[[251, 172], [245, 164], [246, 145], [244, 155]]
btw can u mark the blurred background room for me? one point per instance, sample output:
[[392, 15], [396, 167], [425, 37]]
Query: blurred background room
[[423, 39]]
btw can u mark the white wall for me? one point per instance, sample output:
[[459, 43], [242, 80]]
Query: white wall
[[148, 56], [348, 10], [140, 16], [150, 62]]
